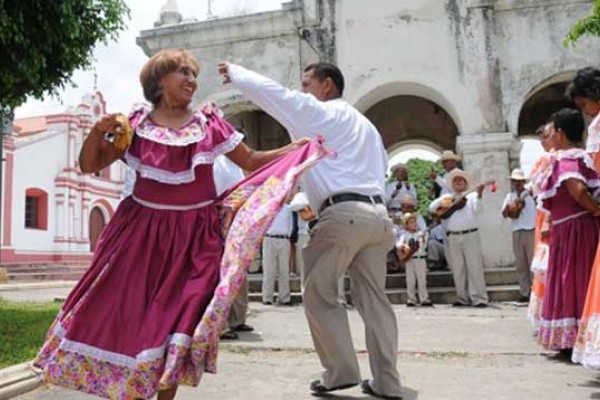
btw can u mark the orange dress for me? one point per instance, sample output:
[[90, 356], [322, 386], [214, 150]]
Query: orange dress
[[538, 287]]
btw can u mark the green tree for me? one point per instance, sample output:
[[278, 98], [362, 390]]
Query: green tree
[[43, 41], [589, 25]]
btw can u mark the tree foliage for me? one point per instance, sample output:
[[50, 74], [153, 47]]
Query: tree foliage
[[43, 41], [589, 25], [418, 174]]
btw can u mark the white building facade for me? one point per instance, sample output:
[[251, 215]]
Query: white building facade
[[470, 75], [52, 213]]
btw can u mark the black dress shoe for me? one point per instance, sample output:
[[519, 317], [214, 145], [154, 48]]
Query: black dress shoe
[[268, 303], [410, 304], [287, 303], [426, 304], [459, 304], [317, 387], [367, 389], [242, 328], [481, 305], [229, 335], [523, 299]]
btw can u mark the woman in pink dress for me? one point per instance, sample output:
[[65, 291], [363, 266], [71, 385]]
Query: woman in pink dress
[[568, 184], [125, 330]]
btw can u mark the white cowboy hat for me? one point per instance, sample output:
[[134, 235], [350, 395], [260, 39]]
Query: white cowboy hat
[[408, 199], [455, 173], [407, 216], [517, 175], [396, 166], [449, 155]]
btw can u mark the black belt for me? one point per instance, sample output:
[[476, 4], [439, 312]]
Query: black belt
[[395, 209], [278, 236], [341, 197], [461, 232]]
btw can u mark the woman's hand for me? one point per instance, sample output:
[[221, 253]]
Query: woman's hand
[[97, 153]]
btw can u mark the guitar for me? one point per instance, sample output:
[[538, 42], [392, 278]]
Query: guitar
[[514, 209], [450, 201]]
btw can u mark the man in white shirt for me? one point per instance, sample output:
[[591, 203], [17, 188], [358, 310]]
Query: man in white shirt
[[276, 258], [354, 232], [398, 187], [463, 240], [226, 174], [520, 208], [449, 162]]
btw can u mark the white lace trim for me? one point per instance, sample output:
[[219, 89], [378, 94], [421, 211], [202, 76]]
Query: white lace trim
[[189, 175], [558, 323], [568, 218], [551, 192], [170, 136], [156, 353], [158, 206]]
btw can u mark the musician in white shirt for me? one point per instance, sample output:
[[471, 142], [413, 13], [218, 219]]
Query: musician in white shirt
[[398, 188], [464, 246], [449, 161], [354, 232], [520, 208]]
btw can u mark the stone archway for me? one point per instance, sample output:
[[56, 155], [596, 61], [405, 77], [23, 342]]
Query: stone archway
[[539, 105], [406, 118], [262, 131]]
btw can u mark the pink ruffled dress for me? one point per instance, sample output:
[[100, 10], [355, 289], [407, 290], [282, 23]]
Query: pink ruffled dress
[[126, 329], [574, 237]]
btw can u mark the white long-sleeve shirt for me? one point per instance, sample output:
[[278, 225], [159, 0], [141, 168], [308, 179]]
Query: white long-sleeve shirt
[[526, 220], [360, 159], [226, 173], [441, 181], [405, 188]]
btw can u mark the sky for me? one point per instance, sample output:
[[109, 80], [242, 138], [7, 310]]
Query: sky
[[118, 64]]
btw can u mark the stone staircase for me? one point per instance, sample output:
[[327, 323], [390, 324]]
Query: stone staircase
[[44, 272], [502, 285]]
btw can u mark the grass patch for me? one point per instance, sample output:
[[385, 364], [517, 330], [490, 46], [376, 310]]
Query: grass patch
[[23, 327]]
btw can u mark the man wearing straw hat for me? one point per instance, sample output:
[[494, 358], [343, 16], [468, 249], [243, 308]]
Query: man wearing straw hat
[[398, 187], [449, 162], [520, 208], [462, 232]]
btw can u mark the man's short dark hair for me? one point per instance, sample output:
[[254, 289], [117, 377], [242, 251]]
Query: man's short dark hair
[[323, 70], [569, 121], [585, 84]]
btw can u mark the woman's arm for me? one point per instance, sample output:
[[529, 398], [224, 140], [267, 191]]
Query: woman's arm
[[579, 192], [250, 159], [96, 153]]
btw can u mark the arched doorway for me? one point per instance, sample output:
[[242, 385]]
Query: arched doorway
[[262, 131], [97, 224], [540, 105], [403, 118]]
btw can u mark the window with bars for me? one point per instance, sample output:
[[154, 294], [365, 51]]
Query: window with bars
[[31, 211]]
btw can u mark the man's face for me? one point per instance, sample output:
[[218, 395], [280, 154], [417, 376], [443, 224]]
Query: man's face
[[411, 225], [518, 185], [312, 85], [459, 184], [401, 174], [407, 207], [449, 165]]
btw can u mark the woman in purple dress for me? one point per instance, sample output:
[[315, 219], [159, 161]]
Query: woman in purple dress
[[125, 330], [568, 188]]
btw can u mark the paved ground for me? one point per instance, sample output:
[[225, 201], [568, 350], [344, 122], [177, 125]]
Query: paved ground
[[445, 353]]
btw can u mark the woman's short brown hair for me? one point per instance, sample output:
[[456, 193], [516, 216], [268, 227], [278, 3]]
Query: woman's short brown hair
[[159, 65]]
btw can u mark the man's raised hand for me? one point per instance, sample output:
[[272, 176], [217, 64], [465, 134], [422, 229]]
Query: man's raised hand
[[224, 71]]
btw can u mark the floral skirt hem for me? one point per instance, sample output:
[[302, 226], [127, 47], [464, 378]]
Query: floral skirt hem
[[558, 334], [587, 349]]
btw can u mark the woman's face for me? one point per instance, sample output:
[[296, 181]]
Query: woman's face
[[588, 106], [545, 138], [179, 86]]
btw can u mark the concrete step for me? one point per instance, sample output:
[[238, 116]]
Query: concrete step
[[443, 295], [39, 272], [435, 279]]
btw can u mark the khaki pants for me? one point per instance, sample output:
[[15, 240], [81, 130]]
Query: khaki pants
[[239, 308], [467, 268], [523, 248], [353, 237], [276, 261], [416, 277]]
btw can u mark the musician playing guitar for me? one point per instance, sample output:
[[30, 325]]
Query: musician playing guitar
[[459, 212], [519, 207]]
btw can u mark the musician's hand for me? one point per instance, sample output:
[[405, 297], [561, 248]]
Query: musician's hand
[[432, 174], [480, 190], [223, 69]]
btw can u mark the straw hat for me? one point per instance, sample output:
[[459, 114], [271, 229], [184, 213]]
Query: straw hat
[[517, 175], [455, 173], [407, 216], [449, 155], [396, 166]]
